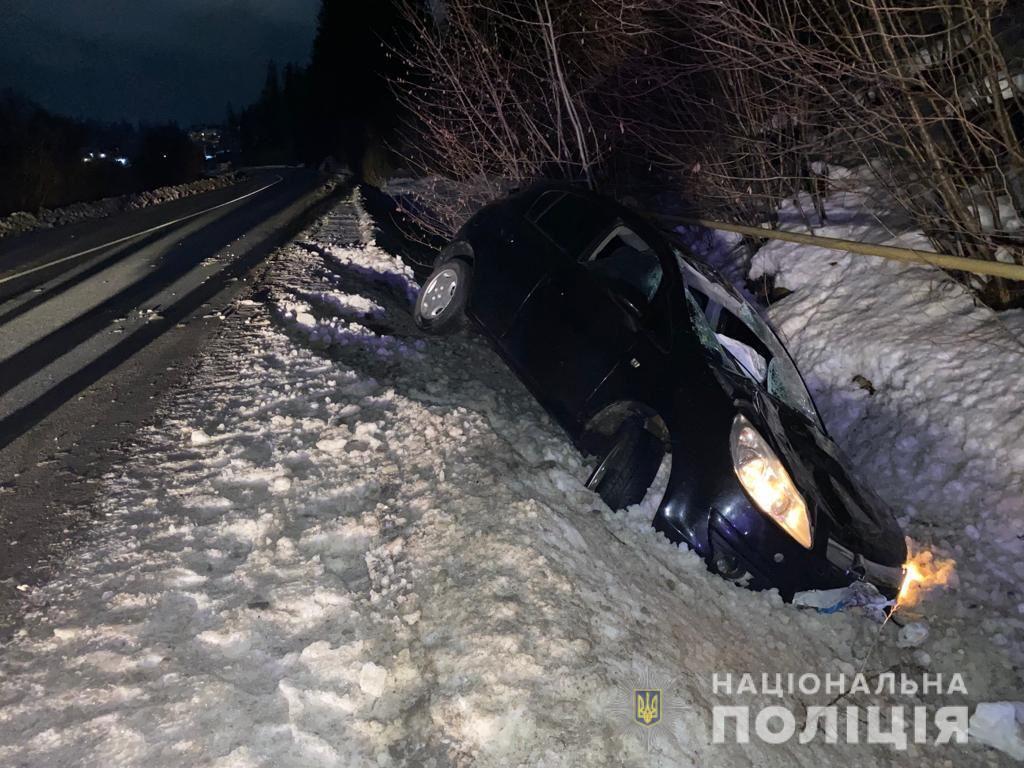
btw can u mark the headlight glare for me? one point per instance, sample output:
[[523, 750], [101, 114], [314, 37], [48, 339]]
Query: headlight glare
[[767, 482]]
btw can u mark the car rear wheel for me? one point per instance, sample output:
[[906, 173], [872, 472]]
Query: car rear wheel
[[628, 467], [441, 303]]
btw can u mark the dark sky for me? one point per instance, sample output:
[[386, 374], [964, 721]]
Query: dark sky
[[151, 60]]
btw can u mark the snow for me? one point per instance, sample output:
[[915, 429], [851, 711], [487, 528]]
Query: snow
[[912, 634], [441, 205], [1000, 724], [939, 433], [348, 544], [22, 221]]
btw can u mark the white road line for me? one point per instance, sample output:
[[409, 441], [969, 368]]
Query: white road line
[[166, 224]]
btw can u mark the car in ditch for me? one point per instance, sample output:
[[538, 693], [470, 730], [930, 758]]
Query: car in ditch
[[641, 351]]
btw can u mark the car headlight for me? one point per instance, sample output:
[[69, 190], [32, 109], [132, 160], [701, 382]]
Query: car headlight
[[767, 482]]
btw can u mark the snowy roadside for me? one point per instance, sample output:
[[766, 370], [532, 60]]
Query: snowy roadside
[[21, 221], [348, 544]]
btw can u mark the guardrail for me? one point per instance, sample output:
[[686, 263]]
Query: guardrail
[[977, 266]]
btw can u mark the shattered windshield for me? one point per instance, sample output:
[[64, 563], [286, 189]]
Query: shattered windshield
[[729, 327]]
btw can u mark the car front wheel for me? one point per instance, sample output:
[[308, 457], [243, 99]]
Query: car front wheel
[[441, 303], [628, 467]]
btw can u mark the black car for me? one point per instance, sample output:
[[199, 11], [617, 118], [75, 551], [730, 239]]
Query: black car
[[639, 350]]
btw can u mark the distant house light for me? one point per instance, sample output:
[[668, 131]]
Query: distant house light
[[103, 155]]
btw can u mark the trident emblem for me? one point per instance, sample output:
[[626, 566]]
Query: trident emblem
[[648, 706]]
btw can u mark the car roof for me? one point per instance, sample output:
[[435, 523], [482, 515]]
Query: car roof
[[635, 219]]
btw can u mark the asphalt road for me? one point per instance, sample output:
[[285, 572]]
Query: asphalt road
[[97, 320]]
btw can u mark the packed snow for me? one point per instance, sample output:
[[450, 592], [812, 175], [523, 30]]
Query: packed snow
[[348, 544], [23, 221]]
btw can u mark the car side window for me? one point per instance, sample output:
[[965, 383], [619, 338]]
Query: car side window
[[626, 265], [732, 327], [568, 220]]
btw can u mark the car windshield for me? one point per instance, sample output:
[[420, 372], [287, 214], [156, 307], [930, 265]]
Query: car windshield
[[731, 328]]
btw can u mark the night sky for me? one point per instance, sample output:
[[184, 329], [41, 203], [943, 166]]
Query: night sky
[[153, 60]]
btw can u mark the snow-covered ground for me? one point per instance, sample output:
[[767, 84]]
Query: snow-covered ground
[[348, 544], [23, 221]]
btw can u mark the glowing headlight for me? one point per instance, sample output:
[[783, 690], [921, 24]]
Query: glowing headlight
[[766, 480]]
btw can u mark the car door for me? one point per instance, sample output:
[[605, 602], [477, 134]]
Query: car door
[[589, 324], [560, 225], [509, 262]]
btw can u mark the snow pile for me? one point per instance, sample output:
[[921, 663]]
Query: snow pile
[[352, 303], [348, 544], [440, 204], [21, 221], [921, 386], [1001, 725]]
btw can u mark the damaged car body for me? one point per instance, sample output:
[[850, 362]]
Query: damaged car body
[[640, 351]]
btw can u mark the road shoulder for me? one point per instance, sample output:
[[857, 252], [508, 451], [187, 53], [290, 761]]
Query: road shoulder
[[50, 474]]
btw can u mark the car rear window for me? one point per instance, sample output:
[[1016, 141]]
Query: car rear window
[[569, 220]]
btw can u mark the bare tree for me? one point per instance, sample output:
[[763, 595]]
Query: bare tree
[[740, 103], [918, 90], [502, 92]]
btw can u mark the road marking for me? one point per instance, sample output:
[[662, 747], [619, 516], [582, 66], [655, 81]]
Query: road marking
[[166, 224]]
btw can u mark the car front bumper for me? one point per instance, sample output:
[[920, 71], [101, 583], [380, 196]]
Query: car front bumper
[[773, 559]]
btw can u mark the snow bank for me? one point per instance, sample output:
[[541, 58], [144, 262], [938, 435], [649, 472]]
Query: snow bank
[[21, 221], [440, 204], [347, 544], [1001, 725], [920, 384]]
